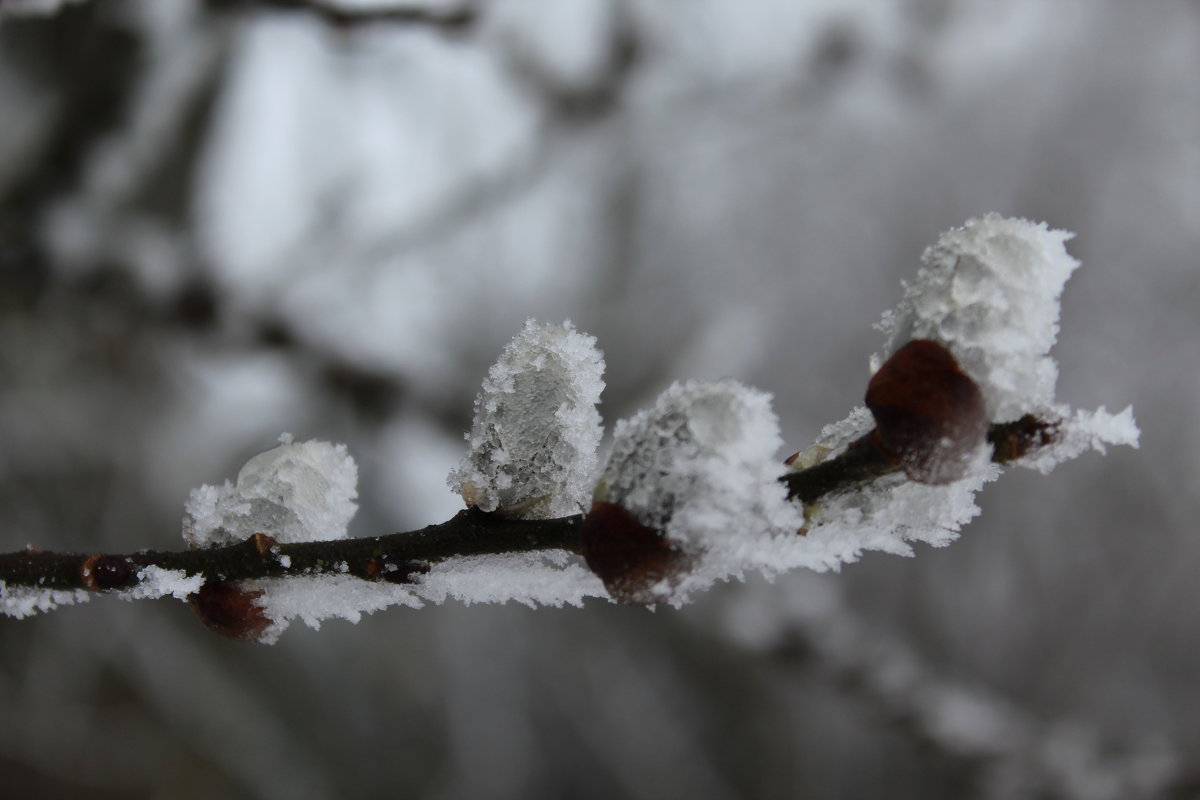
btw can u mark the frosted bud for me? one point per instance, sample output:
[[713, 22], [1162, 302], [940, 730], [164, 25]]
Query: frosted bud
[[929, 414], [699, 468], [533, 441], [989, 291], [232, 610], [294, 493]]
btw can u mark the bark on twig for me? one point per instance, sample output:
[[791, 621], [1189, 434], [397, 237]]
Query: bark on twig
[[399, 557]]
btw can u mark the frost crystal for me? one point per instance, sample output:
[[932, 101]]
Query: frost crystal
[[154, 582], [1080, 431], [532, 579], [25, 601], [887, 514], [533, 442], [293, 493], [989, 291], [700, 466]]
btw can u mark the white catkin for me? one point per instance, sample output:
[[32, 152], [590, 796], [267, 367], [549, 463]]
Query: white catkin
[[533, 441]]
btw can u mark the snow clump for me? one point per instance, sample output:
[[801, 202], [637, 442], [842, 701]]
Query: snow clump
[[536, 429], [296, 492], [700, 467], [25, 601], [989, 291]]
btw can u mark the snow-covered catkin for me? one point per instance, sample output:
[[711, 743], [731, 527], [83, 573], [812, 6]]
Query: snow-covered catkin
[[297, 492], [990, 292], [536, 429], [699, 470]]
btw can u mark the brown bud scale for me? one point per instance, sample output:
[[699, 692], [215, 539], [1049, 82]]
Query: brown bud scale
[[636, 562], [230, 610], [930, 416]]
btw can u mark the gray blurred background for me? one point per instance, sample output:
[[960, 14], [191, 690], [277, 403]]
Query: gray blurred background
[[224, 220]]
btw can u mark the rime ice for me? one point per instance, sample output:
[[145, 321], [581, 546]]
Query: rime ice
[[156, 582], [532, 579], [25, 601], [887, 515], [989, 291], [700, 466], [536, 429], [296, 492]]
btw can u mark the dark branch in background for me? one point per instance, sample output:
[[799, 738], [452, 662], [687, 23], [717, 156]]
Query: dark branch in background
[[92, 73], [1001, 745], [399, 557], [587, 101], [455, 20]]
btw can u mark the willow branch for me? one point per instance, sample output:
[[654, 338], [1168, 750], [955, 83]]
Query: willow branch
[[394, 558], [400, 557]]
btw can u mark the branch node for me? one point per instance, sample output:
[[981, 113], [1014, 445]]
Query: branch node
[[264, 544], [101, 573]]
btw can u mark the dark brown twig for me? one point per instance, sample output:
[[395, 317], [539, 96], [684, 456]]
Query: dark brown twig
[[399, 557], [865, 459], [393, 558]]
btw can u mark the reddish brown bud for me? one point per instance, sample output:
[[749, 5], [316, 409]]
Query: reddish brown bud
[[230, 610], [636, 562], [100, 573], [930, 416]]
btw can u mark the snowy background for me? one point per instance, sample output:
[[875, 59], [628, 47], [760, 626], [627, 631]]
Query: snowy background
[[224, 220]]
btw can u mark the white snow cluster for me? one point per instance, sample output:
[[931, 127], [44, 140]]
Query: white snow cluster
[[536, 429], [296, 492], [154, 582], [700, 466], [989, 291], [25, 601], [532, 579]]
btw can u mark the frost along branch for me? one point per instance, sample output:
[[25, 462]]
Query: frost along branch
[[692, 492]]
